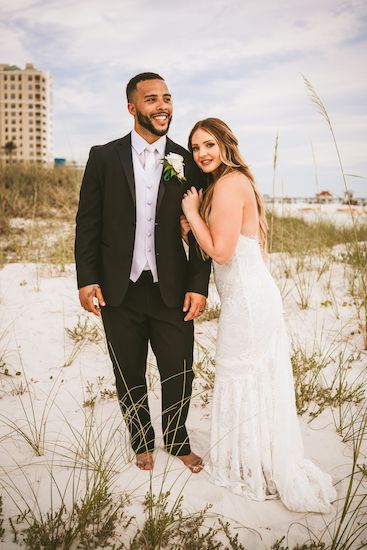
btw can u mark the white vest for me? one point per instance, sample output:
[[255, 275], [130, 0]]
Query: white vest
[[146, 192]]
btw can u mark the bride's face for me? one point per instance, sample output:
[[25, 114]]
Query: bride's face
[[205, 150]]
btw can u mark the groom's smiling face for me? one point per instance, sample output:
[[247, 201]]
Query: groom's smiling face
[[151, 106]]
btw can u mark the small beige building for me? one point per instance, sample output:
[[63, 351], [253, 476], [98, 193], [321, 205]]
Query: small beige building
[[26, 132]]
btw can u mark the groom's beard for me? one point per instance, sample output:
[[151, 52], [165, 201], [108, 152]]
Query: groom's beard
[[146, 123]]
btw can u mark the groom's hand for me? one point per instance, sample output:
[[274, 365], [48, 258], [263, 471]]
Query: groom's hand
[[194, 305], [91, 298], [185, 228]]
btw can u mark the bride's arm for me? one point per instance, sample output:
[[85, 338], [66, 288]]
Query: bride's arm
[[220, 239]]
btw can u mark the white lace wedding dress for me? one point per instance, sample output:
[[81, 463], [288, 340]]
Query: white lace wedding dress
[[256, 448]]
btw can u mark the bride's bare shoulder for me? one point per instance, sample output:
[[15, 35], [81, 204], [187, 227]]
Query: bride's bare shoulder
[[235, 180]]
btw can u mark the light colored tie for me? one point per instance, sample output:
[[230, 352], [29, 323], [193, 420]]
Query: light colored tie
[[150, 161]]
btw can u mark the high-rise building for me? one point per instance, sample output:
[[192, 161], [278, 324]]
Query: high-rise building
[[26, 133]]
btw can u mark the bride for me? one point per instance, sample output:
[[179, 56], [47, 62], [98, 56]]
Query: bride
[[256, 446]]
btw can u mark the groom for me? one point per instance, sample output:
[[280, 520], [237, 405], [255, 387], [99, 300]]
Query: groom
[[131, 263]]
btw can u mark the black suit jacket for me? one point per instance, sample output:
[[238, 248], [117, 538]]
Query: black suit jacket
[[106, 221]]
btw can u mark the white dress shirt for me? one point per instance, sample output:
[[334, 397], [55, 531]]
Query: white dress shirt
[[147, 175]]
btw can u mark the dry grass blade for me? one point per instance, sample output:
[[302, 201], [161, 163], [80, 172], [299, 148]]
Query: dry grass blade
[[315, 98], [275, 160]]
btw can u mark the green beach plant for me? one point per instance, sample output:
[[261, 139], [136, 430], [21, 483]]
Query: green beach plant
[[85, 332], [32, 428]]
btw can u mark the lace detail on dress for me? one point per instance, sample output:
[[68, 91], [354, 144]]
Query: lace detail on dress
[[256, 446]]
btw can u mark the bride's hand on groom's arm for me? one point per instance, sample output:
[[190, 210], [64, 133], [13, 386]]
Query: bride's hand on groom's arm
[[194, 305], [191, 201], [91, 298]]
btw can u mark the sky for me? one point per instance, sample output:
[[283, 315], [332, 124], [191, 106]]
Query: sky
[[240, 60]]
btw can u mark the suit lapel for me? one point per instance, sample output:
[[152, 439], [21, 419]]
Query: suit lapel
[[125, 154], [162, 184]]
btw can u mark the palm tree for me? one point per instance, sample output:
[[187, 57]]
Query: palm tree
[[9, 148]]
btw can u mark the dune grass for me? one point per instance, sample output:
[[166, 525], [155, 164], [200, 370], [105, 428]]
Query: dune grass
[[34, 191], [294, 235]]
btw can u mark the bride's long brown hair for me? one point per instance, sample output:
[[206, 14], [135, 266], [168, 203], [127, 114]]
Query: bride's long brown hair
[[231, 160]]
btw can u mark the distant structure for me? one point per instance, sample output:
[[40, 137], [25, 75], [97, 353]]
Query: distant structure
[[59, 161], [26, 131], [324, 197], [348, 198]]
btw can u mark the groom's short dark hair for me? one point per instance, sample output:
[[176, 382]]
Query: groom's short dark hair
[[131, 85]]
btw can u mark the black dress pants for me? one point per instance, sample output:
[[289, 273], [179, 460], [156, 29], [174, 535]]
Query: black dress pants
[[144, 317]]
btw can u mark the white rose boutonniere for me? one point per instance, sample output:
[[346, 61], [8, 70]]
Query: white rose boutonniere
[[173, 165]]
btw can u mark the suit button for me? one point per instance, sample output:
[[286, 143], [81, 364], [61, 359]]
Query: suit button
[[157, 253]]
